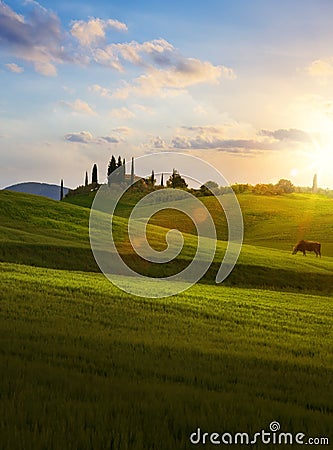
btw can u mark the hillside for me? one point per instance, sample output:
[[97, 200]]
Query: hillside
[[44, 189], [46, 233], [270, 221], [84, 365]]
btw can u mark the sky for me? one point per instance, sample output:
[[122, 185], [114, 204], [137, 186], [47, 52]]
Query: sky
[[245, 85]]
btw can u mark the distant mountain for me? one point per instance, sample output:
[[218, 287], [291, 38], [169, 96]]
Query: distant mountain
[[43, 189]]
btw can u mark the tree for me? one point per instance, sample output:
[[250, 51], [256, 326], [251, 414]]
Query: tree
[[176, 181], [162, 179], [240, 188], [209, 188], [94, 176], [86, 179], [285, 186], [152, 178], [124, 171], [112, 165], [62, 189], [315, 184], [132, 171], [119, 163]]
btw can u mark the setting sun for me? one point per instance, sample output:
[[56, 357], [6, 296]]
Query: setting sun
[[321, 160]]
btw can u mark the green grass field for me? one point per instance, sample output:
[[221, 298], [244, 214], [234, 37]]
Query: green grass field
[[86, 366], [270, 221]]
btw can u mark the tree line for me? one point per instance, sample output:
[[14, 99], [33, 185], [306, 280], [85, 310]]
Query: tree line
[[175, 180]]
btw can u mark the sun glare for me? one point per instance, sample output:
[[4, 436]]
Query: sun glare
[[323, 157]]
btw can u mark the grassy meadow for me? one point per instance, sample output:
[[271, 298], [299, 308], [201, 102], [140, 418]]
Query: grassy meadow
[[87, 366]]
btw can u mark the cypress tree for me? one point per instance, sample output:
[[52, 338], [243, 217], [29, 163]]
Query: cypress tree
[[86, 180], [119, 163], [62, 189], [124, 171], [112, 165], [162, 180], [152, 177], [94, 176], [315, 184], [132, 171]]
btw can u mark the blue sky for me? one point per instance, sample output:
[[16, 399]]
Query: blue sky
[[245, 85]]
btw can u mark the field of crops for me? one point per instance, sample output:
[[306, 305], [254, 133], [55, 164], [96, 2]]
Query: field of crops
[[87, 366]]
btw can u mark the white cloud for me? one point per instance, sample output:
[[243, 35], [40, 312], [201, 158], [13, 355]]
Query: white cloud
[[321, 67], [231, 138], [7, 11], [165, 71], [143, 108], [107, 140], [15, 68], [36, 39], [79, 107], [46, 68], [122, 113], [93, 31], [123, 130], [187, 72], [85, 137], [158, 143], [291, 134], [157, 50], [103, 92]]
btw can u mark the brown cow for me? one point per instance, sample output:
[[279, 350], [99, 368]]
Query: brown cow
[[310, 246]]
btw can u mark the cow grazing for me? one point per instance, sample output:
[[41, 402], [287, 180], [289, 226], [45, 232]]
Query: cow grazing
[[310, 246]]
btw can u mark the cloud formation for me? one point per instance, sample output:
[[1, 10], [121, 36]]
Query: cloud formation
[[91, 32], [224, 138], [122, 113], [79, 107], [292, 134], [214, 143], [141, 54], [85, 137], [14, 68], [123, 130], [175, 80], [166, 71], [103, 92], [36, 38]]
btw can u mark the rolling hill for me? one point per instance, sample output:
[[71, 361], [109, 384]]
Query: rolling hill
[[85, 365], [269, 221], [53, 234]]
